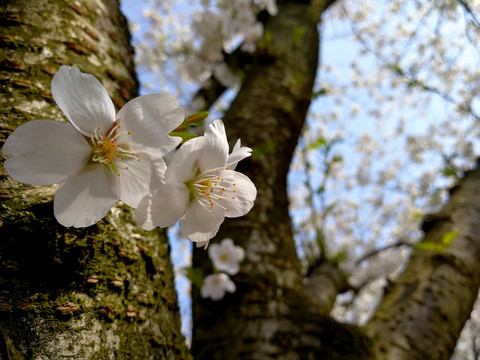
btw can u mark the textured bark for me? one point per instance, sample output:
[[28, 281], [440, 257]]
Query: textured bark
[[425, 308], [324, 282], [271, 315], [104, 292]]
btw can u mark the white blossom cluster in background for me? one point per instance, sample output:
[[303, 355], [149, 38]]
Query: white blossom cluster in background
[[181, 43], [226, 258], [401, 107], [393, 124]]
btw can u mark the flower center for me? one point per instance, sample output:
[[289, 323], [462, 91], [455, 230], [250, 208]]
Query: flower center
[[224, 257], [105, 149], [213, 191]]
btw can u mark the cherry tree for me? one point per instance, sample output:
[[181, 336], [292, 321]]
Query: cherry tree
[[356, 219]]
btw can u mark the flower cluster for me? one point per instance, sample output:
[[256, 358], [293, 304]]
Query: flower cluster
[[225, 257], [102, 157]]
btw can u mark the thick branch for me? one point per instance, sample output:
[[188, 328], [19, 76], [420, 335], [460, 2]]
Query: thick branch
[[271, 316], [324, 283], [425, 308]]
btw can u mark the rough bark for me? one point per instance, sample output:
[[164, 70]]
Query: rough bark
[[102, 292], [271, 315], [324, 282], [424, 310]]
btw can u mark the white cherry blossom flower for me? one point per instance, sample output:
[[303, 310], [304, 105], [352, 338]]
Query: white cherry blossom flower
[[200, 188], [226, 256], [99, 158], [216, 285]]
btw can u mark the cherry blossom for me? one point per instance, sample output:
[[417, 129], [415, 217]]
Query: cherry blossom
[[216, 285], [99, 158], [200, 188], [226, 256]]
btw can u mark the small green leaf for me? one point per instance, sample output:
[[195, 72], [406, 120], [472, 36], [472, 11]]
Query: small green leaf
[[449, 237], [429, 246], [337, 158], [321, 92], [418, 215], [317, 144], [184, 135], [196, 119], [339, 257], [195, 275], [263, 149], [449, 172]]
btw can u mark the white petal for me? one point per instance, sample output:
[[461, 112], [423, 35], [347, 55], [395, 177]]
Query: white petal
[[215, 148], [213, 251], [85, 199], [150, 118], [203, 244], [184, 163], [158, 173], [241, 201], [238, 153], [164, 207], [227, 243], [230, 286], [135, 179], [238, 253], [83, 100], [45, 152], [200, 224]]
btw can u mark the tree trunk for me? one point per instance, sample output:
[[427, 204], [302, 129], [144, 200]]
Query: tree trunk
[[425, 308], [104, 292], [271, 315]]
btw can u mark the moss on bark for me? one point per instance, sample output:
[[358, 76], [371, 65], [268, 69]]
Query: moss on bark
[[101, 292]]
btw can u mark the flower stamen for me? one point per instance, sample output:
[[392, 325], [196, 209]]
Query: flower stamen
[[211, 193], [106, 150]]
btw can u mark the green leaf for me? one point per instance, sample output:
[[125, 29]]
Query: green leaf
[[429, 246], [337, 158], [263, 149], [449, 237], [195, 275], [184, 135], [449, 172], [339, 257], [321, 92], [317, 144], [196, 119], [418, 215]]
